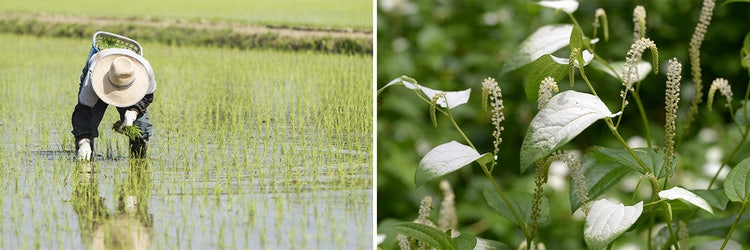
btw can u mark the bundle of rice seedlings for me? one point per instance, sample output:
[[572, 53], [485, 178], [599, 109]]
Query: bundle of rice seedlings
[[132, 132]]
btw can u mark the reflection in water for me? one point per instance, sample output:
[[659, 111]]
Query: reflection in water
[[129, 227]]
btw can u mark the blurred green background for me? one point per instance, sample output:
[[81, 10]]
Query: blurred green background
[[454, 45]]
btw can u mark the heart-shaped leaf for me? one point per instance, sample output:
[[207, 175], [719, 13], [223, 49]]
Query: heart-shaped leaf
[[444, 159], [543, 67], [606, 221], [687, 196], [545, 40], [737, 183], [715, 197], [427, 234], [565, 116], [521, 203], [600, 174], [654, 161]]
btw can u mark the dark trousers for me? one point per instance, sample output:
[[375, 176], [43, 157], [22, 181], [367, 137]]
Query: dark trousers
[[86, 119]]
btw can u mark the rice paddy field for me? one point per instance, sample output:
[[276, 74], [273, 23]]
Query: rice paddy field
[[317, 13], [251, 150]]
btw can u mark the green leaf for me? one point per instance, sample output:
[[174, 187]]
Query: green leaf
[[715, 197], [737, 183], [745, 52], [654, 161], [545, 40], [565, 116], [736, 1], [521, 203], [742, 113], [485, 244], [465, 241], [601, 174], [576, 38], [443, 160], [427, 234], [543, 67]]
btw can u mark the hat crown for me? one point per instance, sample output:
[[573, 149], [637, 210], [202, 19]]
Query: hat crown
[[122, 72]]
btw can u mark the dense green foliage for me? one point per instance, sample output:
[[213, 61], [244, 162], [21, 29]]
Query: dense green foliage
[[321, 13]]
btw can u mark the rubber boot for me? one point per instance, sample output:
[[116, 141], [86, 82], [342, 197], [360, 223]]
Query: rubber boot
[[138, 148]]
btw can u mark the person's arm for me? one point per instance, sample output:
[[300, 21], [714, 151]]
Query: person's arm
[[141, 106]]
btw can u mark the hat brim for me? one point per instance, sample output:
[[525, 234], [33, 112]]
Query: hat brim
[[112, 95]]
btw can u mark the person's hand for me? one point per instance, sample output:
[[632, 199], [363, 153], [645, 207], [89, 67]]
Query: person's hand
[[84, 150], [130, 116]]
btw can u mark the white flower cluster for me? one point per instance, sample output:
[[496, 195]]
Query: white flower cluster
[[724, 88], [547, 89], [639, 22], [630, 74], [672, 98], [496, 100]]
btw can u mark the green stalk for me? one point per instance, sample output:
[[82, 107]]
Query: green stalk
[[638, 103], [489, 175], [736, 221], [742, 140], [619, 138]]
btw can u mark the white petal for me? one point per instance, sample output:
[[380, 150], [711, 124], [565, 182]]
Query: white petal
[[687, 196]]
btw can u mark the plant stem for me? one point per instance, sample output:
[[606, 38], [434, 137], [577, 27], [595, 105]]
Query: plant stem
[[492, 179], [736, 221], [638, 103], [667, 209], [619, 138]]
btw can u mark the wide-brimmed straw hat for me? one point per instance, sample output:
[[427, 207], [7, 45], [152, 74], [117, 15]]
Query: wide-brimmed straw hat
[[119, 80]]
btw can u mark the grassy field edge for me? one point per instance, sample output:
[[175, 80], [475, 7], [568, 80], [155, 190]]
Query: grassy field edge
[[193, 32]]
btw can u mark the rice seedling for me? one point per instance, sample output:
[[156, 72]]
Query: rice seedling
[[247, 145]]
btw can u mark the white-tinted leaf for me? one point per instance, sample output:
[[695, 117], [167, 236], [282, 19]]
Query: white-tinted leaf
[[408, 82], [687, 196], [545, 40], [568, 6], [606, 221], [643, 69], [443, 160], [454, 98], [379, 239], [565, 116], [587, 57]]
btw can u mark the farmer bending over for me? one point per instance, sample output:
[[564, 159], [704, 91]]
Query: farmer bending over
[[117, 77]]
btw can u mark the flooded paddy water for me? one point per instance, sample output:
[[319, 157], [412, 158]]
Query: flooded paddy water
[[252, 150]]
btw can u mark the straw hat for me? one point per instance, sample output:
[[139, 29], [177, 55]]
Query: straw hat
[[119, 80]]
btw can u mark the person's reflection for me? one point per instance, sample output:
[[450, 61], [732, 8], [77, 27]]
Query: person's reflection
[[129, 227]]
